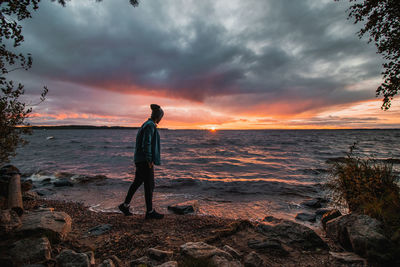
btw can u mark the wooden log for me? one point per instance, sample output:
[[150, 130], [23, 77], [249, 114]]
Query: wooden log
[[14, 194]]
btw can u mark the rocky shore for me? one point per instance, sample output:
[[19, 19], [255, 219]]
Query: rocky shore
[[57, 233]]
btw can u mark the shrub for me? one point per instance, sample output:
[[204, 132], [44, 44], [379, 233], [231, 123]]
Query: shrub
[[367, 186]]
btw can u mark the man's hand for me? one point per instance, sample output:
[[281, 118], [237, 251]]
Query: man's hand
[[151, 164]]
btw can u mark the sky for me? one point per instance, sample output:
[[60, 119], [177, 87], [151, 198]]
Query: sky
[[254, 64]]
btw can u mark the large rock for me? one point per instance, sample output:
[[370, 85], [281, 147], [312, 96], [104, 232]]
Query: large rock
[[9, 220], [31, 250], [54, 225], [362, 234], [69, 258], [292, 234]]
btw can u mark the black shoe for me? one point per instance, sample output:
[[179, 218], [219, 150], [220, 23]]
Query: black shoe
[[154, 215], [125, 210]]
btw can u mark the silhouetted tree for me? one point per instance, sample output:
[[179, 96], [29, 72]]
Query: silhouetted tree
[[13, 110], [382, 22]]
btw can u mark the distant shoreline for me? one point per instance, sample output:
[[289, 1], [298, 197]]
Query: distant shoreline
[[92, 127]]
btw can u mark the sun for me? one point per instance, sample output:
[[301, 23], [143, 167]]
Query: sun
[[213, 129]]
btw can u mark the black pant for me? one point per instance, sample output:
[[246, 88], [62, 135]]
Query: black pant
[[144, 174]]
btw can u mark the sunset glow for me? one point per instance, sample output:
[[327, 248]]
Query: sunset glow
[[264, 67]]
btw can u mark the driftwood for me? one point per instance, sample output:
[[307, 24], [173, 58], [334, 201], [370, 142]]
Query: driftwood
[[14, 194]]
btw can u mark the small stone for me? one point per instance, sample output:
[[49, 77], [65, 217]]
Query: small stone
[[253, 260], [271, 219], [184, 209], [305, 217], [159, 255], [31, 250], [99, 229], [201, 250], [332, 214], [69, 258]]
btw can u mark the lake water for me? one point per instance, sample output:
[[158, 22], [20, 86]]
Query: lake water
[[232, 173]]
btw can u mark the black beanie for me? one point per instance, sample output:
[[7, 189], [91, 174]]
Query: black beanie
[[157, 112]]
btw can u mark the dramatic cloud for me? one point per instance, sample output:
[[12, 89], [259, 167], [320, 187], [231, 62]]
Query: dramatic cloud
[[218, 62]]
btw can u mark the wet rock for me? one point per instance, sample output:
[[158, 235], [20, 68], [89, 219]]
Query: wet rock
[[362, 234], [159, 255], [63, 175], [107, 263], [46, 181], [99, 229], [31, 250], [292, 234], [313, 203], [62, 183], [84, 179], [69, 258], [330, 215], [145, 260], [54, 225], [270, 245], [307, 217], [201, 250], [34, 265], [253, 260], [9, 220], [234, 253], [347, 259], [181, 209], [168, 264]]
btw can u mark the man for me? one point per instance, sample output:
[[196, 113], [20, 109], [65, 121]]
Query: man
[[147, 154]]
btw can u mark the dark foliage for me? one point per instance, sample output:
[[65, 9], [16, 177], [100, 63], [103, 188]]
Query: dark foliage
[[367, 186], [13, 110], [382, 23]]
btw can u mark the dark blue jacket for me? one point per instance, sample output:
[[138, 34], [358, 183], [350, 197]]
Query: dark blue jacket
[[148, 144]]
